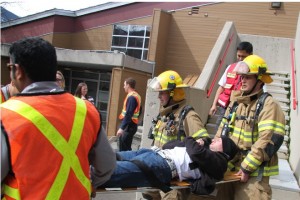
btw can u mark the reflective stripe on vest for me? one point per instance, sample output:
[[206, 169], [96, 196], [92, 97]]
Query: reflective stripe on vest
[[136, 113], [11, 192], [2, 99], [231, 84], [66, 148]]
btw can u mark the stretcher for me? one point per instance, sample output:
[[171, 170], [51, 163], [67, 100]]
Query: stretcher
[[175, 184]]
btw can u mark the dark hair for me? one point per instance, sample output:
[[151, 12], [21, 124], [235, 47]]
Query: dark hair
[[36, 56], [245, 46], [78, 89], [229, 147], [131, 82]]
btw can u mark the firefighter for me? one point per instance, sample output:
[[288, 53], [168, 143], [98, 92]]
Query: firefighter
[[168, 126], [256, 123], [51, 142], [229, 81]]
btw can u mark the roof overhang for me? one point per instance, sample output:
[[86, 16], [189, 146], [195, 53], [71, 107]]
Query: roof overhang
[[91, 59], [61, 12]]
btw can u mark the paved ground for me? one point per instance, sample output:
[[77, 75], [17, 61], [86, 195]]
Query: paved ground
[[117, 196], [121, 196]]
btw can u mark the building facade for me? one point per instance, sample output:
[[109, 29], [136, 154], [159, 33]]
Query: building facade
[[168, 35]]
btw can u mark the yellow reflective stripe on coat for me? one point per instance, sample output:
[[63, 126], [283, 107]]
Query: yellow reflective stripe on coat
[[11, 192], [271, 125], [252, 162], [162, 138], [230, 166], [267, 171], [66, 149], [244, 135], [200, 133]]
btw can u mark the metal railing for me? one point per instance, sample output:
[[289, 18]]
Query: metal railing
[[209, 91]]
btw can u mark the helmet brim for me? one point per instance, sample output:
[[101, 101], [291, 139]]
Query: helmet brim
[[266, 77], [154, 85]]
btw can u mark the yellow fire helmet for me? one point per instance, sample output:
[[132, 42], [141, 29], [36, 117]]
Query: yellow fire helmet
[[169, 80], [254, 65]]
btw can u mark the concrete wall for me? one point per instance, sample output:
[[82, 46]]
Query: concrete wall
[[295, 114], [274, 50], [225, 51], [222, 54], [151, 110], [159, 38]]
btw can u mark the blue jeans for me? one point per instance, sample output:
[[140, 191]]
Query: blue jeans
[[127, 174]]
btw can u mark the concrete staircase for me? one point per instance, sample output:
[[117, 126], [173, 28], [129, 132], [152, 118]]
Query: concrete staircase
[[285, 184], [280, 90]]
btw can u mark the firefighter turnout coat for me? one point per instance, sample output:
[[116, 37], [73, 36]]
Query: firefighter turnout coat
[[258, 139], [167, 124]]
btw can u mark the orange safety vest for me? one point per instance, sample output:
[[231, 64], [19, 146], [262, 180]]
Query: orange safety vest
[[136, 113], [232, 83], [49, 150], [2, 97]]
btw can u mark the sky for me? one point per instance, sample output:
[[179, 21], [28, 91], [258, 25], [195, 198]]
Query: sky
[[27, 7]]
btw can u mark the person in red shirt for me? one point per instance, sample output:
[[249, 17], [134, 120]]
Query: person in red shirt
[[229, 82]]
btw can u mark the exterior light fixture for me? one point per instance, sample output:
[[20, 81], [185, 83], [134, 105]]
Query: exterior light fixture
[[194, 10], [275, 5]]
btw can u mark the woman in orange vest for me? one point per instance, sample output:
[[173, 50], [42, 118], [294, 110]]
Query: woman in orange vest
[[52, 143]]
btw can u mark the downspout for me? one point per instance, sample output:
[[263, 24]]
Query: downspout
[[123, 58], [153, 67], [294, 95]]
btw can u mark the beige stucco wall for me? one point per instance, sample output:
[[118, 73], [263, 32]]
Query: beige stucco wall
[[117, 94], [295, 114]]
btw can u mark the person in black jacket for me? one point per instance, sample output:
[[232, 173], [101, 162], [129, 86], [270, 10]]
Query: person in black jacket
[[201, 161]]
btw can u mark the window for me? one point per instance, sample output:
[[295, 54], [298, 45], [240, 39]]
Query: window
[[133, 40]]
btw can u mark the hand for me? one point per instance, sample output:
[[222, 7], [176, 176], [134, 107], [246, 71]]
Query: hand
[[244, 176], [200, 142], [120, 132], [213, 110]]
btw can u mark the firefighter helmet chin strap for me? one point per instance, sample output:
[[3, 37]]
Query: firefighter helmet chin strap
[[247, 93], [171, 86], [171, 97]]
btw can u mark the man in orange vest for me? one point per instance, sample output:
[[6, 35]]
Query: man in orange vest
[[51, 141], [229, 82], [129, 115]]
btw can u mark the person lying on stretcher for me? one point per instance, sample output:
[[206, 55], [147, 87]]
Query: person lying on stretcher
[[200, 161]]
